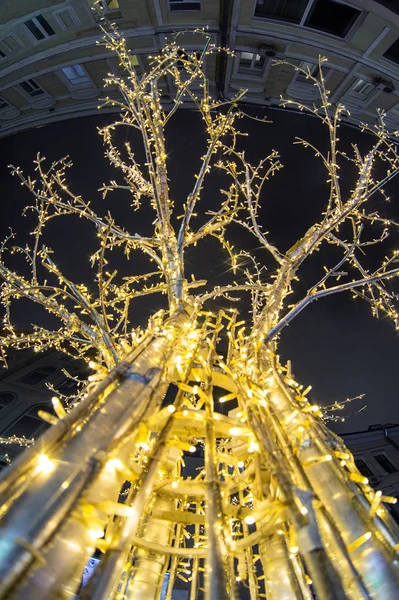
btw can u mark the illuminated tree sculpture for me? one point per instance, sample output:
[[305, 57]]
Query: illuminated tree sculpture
[[277, 508]]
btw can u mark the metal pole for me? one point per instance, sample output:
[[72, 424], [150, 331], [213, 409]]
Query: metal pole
[[55, 488]]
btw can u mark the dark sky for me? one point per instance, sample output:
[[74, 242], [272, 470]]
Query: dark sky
[[334, 345]]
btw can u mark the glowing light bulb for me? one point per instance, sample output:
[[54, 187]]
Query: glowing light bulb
[[171, 408], [113, 464], [95, 533], [253, 447], [235, 431], [249, 520], [45, 464]]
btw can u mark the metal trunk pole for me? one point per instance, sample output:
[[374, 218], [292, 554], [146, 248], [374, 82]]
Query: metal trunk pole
[[30, 527], [367, 552], [280, 581], [148, 567]]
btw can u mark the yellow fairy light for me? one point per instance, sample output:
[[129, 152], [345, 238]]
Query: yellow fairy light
[[358, 478], [95, 533], [253, 446], [235, 431], [45, 464], [114, 464], [181, 346], [317, 459], [59, 409], [249, 520], [359, 541]]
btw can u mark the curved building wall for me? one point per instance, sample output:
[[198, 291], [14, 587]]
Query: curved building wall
[[52, 67]]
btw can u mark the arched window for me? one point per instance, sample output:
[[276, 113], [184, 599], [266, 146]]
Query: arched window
[[30, 423], [37, 376], [69, 386], [5, 399]]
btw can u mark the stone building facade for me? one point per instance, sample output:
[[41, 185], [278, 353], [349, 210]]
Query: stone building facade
[[52, 66], [24, 391], [376, 453]]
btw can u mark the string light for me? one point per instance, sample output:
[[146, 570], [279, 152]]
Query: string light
[[271, 453], [44, 464]]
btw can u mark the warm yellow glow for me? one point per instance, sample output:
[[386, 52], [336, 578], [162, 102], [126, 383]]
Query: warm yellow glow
[[95, 533], [249, 519], [359, 542], [235, 431], [45, 464], [269, 456], [114, 464]]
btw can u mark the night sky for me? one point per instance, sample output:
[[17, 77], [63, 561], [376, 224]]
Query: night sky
[[334, 345]]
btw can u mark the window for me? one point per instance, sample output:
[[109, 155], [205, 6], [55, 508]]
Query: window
[[313, 69], [184, 55], [109, 5], [2, 55], [184, 5], [393, 52], [393, 117], [28, 425], [5, 397], [363, 468], [134, 60], [39, 27], [385, 463], [69, 386], [325, 15], [7, 110], [76, 75], [11, 43], [332, 17], [283, 10], [4, 462], [248, 60], [361, 89], [37, 376], [32, 88], [66, 18]]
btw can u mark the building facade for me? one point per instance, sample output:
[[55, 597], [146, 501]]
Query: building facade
[[24, 391], [52, 65], [376, 453]]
